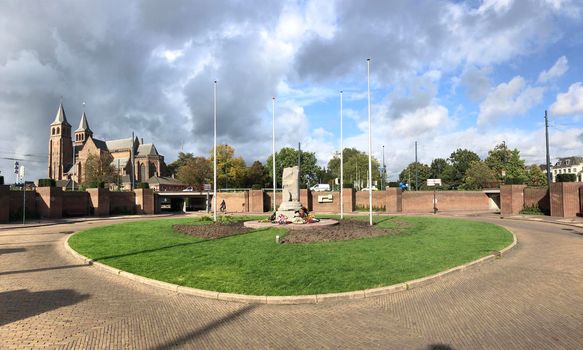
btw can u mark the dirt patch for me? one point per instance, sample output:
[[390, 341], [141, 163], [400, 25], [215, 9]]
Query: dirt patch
[[344, 231], [212, 230]]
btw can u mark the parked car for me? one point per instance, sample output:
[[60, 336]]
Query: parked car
[[374, 188], [320, 188], [188, 189]]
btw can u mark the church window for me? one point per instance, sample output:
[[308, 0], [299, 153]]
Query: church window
[[58, 130], [53, 131]]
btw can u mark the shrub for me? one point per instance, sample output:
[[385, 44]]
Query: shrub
[[94, 184], [46, 183], [566, 177], [143, 185], [532, 210]]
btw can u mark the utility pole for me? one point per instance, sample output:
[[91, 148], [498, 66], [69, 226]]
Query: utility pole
[[384, 171], [549, 175], [416, 170]]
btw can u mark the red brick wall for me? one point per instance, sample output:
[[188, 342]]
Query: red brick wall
[[146, 201], [537, 197], [333, 207], [511, 199], [15, 204], [49, 202], [99, 201], [565, 199], [237, 202], [394, 198], [378, 199], [580, 200], [268, 201], [256, 201], [422, 201], [75, 204], [4, 204], [122, 202]]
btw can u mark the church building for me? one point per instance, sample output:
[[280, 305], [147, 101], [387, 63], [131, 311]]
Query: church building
[[67, 155]]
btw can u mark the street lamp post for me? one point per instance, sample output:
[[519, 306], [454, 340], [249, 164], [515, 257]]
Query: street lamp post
[[341, 163], [215, 152], [273, 148], [369, 147]]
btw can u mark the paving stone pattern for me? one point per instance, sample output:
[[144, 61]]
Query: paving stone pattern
[[530, 299]]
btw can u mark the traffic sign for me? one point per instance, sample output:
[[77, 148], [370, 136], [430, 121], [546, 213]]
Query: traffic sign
[[433, 182]]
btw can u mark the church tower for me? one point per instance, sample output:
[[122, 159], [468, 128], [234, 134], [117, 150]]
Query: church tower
[[83, 132], [60, 146]]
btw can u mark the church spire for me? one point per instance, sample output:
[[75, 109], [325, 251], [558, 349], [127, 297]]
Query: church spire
[[83, 124], [61, 117]]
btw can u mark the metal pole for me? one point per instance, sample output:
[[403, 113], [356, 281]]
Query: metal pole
[[273, 148], [416, 170], [23, 194], [341, 163], [369, 147], [549, 175], [215, 154], [132, 177], [384, 171]]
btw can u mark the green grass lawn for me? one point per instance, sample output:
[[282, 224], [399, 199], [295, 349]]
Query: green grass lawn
[[254, 264]]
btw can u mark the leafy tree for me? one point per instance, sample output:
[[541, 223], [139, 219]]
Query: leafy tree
[[288, 157], [231, 170], [460, 160], [99, 170], [423, 172], [355, 168], [441, 169], [536, 177], [195, 172], [478, 176], [498, 158], [515, 169], [183, 158], [566, 178], [257, 176]]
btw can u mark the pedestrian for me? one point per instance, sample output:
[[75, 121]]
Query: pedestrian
[[223, 206]]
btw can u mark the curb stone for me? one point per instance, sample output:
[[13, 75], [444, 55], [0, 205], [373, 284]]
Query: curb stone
[[293, 299]]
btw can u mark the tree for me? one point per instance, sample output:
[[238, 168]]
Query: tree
[[355, 168], [566, 178], [257, 176], [536, 177], [183, 158], [441, 169], [288, 157], [515, 170], [231, 170], [478, 176], [195, 172], [99, 170], [460, 160], [423, 172]]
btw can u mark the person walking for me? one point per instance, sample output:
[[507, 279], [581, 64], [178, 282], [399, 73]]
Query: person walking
[[223, 206]]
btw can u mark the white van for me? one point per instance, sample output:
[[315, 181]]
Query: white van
[[320, 188]]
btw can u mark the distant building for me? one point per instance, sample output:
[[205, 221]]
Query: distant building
[[147, 161], [163, 184], [568, 165]]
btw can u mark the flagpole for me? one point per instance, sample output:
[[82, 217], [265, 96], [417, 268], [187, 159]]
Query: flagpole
[[341, 163], [215, 155], [369, 147], [273, 149]]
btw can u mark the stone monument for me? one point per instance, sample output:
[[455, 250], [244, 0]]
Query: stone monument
[[290, 199]]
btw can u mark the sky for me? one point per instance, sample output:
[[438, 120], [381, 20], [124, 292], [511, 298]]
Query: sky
[[447, 74]]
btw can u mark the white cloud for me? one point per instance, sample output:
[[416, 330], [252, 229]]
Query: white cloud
[[509, 100], [570, 102], [558, 69]]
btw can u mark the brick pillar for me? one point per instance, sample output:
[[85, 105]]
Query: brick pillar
[[511, 199], [146, 202], [99, 201], [565, 199], [50, 202], [256, 201], [349, 199], [394, 199], [4, 204], [306, 198]]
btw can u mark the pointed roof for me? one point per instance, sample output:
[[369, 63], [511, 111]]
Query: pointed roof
[[83, 124], [61, 118]]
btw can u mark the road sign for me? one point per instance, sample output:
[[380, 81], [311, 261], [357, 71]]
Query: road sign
[[206, 187], [433, 182]]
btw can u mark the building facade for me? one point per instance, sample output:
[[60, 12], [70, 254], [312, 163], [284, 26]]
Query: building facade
[[568, 165], [132, 158]]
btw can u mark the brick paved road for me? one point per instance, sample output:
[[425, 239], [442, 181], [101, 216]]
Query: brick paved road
[[530, 299]]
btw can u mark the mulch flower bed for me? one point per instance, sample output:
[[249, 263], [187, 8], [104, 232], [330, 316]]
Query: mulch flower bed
[[344, 231], [212, 230]]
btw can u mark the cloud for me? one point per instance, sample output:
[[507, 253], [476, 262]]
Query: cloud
[[476, 82], [558, 69], [570, 102], [509, 100]]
